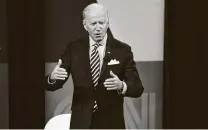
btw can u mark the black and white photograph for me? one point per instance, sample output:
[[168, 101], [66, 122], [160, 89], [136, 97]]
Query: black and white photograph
[[103, 64], [131, 37]]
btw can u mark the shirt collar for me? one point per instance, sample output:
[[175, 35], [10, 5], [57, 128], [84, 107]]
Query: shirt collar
[[102, 43]]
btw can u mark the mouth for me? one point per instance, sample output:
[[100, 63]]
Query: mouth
[[98, 35]]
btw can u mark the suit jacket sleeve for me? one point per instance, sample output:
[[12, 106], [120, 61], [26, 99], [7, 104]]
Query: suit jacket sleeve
[[66, 65], [131, 77]]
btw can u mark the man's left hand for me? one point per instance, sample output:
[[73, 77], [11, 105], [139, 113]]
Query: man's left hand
[[113, 83]]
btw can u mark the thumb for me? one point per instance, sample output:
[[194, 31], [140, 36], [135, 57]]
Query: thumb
[[112, 74], [59, 62]]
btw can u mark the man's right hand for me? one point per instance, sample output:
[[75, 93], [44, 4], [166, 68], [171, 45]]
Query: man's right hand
[[58, 73]]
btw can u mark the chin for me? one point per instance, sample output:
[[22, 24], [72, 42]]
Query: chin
[[98, 39]]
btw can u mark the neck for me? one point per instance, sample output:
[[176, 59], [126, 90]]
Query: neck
[[102, 42]]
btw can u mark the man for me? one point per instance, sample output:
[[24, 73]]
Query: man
[[103, 72]]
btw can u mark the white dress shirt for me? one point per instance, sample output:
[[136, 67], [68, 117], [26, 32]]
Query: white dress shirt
[[101, 49]]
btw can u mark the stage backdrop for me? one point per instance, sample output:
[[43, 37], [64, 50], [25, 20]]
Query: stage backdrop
[[139, 23]]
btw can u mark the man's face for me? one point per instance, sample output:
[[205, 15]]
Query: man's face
[[96, 23]]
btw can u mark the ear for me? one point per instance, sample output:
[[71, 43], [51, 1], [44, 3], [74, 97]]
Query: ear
[[108, 24], [84, 24]]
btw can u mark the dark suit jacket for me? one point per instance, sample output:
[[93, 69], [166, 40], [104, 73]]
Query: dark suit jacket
[[76, 61]]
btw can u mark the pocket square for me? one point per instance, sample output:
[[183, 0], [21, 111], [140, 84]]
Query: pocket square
[[113, 62]]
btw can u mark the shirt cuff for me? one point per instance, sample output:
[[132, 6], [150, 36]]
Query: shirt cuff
[[49, 80], [124, 88]]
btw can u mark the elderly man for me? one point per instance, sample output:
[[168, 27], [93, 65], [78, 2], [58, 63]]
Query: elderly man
[[103, 73]]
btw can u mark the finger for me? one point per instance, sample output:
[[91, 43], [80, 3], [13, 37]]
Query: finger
[[115, 88], [62, 76], [110, 80], [61, 73], [59, 62], [112, 74], [61, 70], [108, 83], [110, 86], [58, 78]]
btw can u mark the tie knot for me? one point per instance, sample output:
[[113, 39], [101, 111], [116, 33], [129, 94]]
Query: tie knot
[[96, 45]]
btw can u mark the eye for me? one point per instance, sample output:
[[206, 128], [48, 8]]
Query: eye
[[93, 24], [101, 23]]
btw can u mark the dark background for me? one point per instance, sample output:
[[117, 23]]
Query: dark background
[[185, 74], [4, 112], [185, 86], [3, 32]]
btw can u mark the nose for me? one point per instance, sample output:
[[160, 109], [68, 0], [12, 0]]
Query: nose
[[97, 27]]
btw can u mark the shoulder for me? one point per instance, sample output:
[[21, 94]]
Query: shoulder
[[121, 45], [77, 42]]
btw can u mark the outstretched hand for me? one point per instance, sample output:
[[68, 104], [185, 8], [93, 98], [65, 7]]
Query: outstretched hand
[[58, 73]]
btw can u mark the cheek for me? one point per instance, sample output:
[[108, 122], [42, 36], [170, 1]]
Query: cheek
[[90, 29], [104, 28]]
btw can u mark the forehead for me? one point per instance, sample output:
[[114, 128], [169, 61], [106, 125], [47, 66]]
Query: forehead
[[95, 14], [97, 17]]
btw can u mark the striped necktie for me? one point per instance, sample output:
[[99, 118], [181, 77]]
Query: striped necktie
[[95, 70]]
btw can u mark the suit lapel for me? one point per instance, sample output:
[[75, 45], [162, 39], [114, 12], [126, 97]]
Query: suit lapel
[[105, 61], [86, 59]]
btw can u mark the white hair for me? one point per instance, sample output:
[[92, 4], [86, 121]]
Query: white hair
[[93, 7]]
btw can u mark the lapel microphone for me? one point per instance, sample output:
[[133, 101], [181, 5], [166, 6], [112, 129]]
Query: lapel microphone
[[108, 56]]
